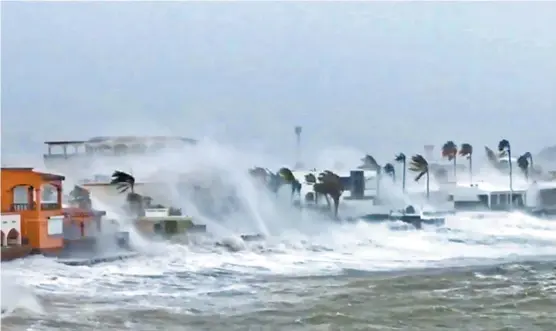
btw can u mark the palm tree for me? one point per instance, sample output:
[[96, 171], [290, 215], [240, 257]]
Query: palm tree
[[286, 175], [390, 170], [466, 150], [81, 197], [330, 184], [493, 159], [523, 164], [401, 159], [369, 163], [505, 149], [529, 157], [420, 165], [126, 183], [450, 151]]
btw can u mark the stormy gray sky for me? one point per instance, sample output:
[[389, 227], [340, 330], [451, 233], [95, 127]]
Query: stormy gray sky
[[379, 77]]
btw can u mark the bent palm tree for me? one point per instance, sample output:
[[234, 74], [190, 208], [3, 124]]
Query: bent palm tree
[[126, 183], [286, 175], [523, 164], [401, 159], [450, 151], [466, 150], [369, 163], [532, 169], [505, 149], [420, 165], [331, 185], [390, 171], [80, 197]]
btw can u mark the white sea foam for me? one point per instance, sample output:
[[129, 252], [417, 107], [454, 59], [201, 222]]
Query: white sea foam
[[297, 244]]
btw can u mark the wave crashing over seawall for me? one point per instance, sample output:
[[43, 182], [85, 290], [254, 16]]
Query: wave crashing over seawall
[[199, 275]]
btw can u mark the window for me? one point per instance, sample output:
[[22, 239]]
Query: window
[[503, 200], [547, 197], [517, 200], [21, 194], [49, 193], [55, 225], [493, 200]]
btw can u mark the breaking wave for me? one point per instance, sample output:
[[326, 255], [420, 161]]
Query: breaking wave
[[298, 245]]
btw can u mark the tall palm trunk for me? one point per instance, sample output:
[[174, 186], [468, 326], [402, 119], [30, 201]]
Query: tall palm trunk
[[428, 186], [403, 176], [531, 167], [455, 168], [531, 161], [336, 200], [470, 169], [378, 176], [511, 177]]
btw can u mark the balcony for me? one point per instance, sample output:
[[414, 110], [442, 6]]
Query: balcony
[[33, 206], [22, 206], [50, 206]]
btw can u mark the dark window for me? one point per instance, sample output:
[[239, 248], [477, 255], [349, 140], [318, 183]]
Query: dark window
[[171, 227], [547, 197]]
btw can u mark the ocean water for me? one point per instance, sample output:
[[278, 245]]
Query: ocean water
[[494, 272]]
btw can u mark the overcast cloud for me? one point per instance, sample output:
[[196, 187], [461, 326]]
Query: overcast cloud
[[381, 77]]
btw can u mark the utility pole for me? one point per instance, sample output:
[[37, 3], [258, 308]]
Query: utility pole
[[298, 129]]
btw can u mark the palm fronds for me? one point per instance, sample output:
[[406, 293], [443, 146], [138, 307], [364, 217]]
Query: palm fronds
[[400, 157], [420, 165], [81, 197], [330, 184], [523, 164], [287, 175], [466, 150], [369, 163], [390, 170], [125, 181], [449, 150], [503, 147]]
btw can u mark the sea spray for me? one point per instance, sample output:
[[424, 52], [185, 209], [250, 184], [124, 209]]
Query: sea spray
[[18, 297]]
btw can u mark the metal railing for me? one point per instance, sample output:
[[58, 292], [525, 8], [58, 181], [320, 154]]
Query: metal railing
[[50, 206], [33, 206], [22, 206]]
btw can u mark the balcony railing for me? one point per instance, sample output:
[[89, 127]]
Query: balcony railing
[[22, 206], [50, 206], [33, 206]]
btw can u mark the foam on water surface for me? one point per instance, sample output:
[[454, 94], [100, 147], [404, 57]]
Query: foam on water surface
[[296, 245]]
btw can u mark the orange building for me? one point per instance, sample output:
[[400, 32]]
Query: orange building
[[35, 198], [35, 222]]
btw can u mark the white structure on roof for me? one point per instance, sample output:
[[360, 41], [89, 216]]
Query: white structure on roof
[[11, 230]]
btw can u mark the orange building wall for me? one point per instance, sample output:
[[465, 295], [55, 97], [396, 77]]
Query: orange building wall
[[34, 224]]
